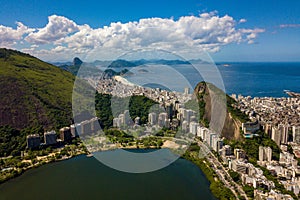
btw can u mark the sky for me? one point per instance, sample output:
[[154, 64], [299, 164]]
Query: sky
[[252, 31]]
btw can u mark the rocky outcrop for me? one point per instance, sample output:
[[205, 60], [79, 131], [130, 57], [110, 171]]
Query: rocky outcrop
[[216, 111], [77, 62]]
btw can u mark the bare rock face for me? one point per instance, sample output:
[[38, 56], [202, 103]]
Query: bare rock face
[[215, 107]]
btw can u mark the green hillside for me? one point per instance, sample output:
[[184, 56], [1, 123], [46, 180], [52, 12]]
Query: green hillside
[[35, 96]]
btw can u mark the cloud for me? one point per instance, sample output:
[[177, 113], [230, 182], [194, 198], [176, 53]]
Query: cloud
[[9, 36], [57, 27], [289, 26], [242, 21], [252, 34], [207, 31]]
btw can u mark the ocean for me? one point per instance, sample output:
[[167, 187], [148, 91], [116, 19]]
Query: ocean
[[245, 78], [260, 79]]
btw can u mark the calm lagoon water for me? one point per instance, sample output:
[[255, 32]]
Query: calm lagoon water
[[86, 178]]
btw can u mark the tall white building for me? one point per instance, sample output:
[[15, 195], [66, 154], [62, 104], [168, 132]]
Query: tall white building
[[276, 136], [122, 119], [186, 115], [162, 118], [152, 118], [296, 134], [137, 121], [74, 130], [268, 152], [268, 128], [193, 127], [185, 126], [186, 90], [284, 133], [265, 153], [117, 122], [127, 118], [201, 132], [216, 143]]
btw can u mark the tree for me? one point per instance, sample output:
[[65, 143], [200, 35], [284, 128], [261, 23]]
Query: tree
[[235, 176]]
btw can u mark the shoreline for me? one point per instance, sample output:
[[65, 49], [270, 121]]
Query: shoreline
[[202, 165], [18, 172]]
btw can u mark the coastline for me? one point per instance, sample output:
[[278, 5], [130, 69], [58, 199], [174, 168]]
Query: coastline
[[18, 172], [216, 187], [201, 164]]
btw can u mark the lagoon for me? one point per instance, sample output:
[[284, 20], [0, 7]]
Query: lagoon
[[85, 177]]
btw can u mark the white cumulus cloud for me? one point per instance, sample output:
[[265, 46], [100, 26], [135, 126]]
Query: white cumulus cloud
[[9, 36], [57, 28], [207, 31]]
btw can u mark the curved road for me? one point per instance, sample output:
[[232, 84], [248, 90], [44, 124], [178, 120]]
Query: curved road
[[223, 173]]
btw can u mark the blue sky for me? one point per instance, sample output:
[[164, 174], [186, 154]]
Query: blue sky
[[276, 25]]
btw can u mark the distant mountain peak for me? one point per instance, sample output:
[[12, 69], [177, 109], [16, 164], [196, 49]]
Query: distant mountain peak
[[77, 62]]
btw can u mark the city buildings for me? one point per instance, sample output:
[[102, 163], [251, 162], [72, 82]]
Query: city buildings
[[33, 141], [250, 127], [65, 134], [152, 118], [239, 154], [50, 138], [265, 154], [296, 134]]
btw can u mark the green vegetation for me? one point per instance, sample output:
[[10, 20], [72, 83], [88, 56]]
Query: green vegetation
[[103, 110], [121, 64], [108, 73], [120, 137], [290, 149], [70, 68], [11, 167], [235, 112], [217, 187], [11, 141], [278, 186], [194, 147], [117, 136], [201, 104], [235, 176], [138, 107], [35, 93], [203, 90], [251, 146], [194, 105], [150, 142], [36, 96], [249, 191]]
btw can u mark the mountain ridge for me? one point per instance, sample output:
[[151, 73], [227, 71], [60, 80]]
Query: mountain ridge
[[35, 93]]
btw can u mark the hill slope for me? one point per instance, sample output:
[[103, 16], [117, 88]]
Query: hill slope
[[33, 93], [234, 118]]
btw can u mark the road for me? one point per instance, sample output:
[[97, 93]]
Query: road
[[222, 173]]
